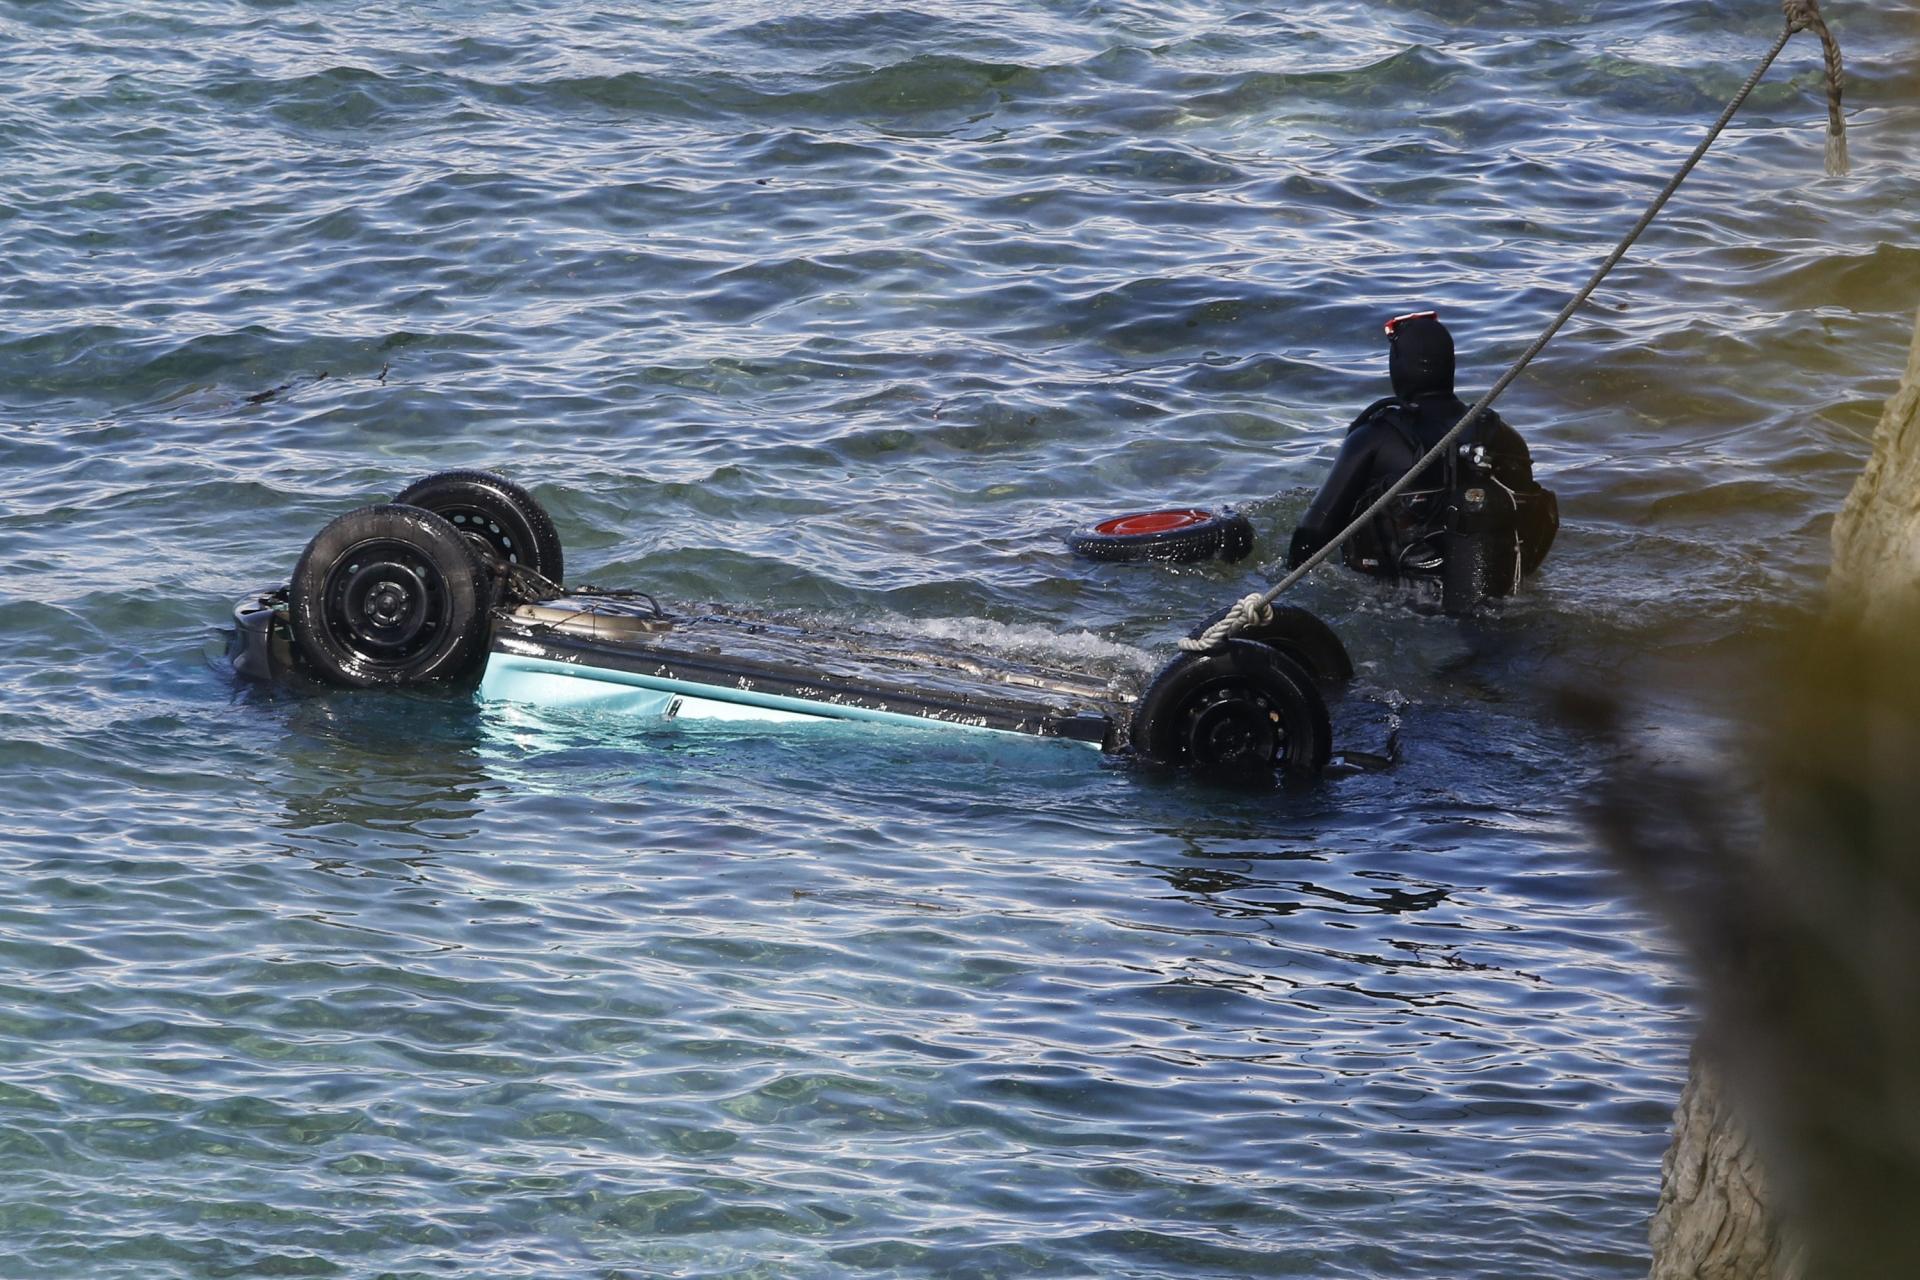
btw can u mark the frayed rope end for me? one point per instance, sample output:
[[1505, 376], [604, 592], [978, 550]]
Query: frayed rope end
[[1838, 165], [1804, 15]]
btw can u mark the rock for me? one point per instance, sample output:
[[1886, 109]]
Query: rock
[[1806, 944], [1716, 1216], [1876, 540]]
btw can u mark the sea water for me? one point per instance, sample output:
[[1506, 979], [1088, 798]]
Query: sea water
[[857, 311]]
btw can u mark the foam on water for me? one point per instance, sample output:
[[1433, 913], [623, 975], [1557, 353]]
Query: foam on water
[[1077, 650]]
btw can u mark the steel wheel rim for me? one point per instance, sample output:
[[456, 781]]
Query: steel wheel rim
[[386, 603], [485, 531], [1233, 724]]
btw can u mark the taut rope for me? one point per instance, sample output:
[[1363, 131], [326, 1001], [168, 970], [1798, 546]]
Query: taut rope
[[1802, 15]]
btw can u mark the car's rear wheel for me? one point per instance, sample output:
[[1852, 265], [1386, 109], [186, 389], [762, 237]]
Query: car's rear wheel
[[504, 522], [1234, 713], [389, 596]]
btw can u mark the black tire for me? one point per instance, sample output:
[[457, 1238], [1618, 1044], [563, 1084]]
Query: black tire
[[390, 596], [1300, 636], [1179, 536], [505, 522], [1234, 714]]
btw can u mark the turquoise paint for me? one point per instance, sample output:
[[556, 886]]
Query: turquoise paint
[[509, 679], [512, 677]]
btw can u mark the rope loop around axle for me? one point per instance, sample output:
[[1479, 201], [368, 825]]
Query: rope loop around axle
[[1250, 611]]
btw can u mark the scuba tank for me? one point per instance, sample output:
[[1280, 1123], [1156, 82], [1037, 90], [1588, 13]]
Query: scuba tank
[[1479, 537]]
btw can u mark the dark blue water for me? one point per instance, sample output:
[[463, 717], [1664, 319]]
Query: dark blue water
[[857, 311]]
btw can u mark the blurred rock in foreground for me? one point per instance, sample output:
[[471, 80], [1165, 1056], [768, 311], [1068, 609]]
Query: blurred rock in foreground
[[1804, 928]]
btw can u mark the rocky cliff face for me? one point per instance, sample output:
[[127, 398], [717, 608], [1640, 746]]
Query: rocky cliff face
[[1876, 541], [1716, 1219], [1807, 946]]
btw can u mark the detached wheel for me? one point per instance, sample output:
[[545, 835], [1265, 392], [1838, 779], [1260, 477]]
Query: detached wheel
[[389, 596], [1179, 536], [1234, 714], [504, 522]]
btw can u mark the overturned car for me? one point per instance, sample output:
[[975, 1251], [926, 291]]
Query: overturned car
[[458, 582]]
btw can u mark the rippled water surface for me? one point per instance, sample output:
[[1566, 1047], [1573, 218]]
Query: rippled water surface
[[856, 311]]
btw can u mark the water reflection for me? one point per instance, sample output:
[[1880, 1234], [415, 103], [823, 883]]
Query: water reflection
[[389, 763]]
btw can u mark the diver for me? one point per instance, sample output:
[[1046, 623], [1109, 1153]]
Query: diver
[[1475, 520]]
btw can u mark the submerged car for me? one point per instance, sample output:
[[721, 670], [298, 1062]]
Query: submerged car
[[458, 582]]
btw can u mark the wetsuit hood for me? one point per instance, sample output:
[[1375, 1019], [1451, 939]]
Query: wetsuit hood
[[1420, 358]]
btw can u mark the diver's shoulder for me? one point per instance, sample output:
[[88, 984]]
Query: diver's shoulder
[[1377, 412], [1492, 423], [1502, 430]]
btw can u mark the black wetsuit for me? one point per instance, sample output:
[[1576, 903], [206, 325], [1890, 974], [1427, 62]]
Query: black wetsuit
[[1383, 444]]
